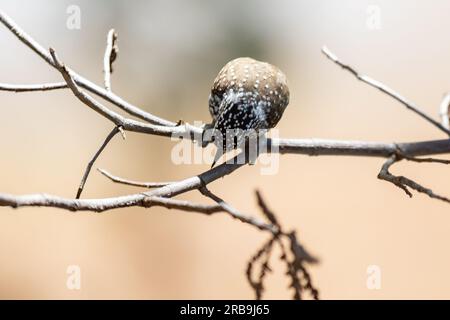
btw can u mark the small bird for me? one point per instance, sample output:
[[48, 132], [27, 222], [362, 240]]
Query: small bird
[[247, 96]]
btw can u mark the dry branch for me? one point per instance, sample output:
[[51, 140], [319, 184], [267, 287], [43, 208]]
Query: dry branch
[[164, 192], [81, 81], [404, 182]]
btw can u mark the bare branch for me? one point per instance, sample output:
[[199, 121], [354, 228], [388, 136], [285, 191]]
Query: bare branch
[[286, 145], [320, 147], [110, 56], [100, 205], [45, 200], [113, 132], [82, 82], [308, 146], [385, 89], [32, 87]]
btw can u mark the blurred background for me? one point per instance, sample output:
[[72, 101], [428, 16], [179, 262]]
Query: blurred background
[[170, 52]]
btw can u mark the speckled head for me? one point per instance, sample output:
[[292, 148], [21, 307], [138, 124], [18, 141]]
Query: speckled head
[[255, 92], [247, 96]]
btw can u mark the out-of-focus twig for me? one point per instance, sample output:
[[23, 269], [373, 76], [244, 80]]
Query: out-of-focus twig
[[110, 56], [385, 89], [296, 269]]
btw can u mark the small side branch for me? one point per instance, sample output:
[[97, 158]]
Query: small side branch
[[110, 56], [263, 256], [113, 132], [32, 87], [404, 182], [385, 89]]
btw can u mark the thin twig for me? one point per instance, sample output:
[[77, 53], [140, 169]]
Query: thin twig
[[113, 132], [385, 89], [32, 87], [133, 183], [263, 252], [426, 160], [117, 119], [46, 200], [110, 56]]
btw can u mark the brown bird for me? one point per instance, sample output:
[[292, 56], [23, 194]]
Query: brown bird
[[247, 96]]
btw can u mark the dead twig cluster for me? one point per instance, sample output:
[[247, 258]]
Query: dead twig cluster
[[295, 259]]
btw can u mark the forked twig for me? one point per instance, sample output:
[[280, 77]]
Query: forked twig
[[404, 182], [81, 81], [263, 254]]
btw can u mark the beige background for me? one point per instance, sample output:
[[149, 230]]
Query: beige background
[[169, 54]]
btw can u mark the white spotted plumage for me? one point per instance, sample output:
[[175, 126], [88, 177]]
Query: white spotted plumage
[[247, 95]]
